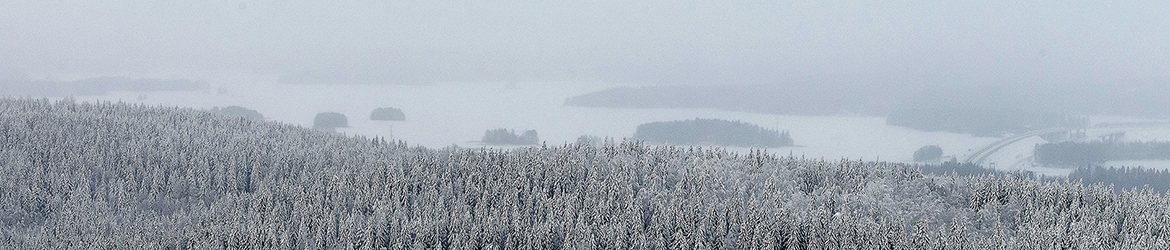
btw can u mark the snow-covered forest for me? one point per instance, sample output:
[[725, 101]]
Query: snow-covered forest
[[113, 175]]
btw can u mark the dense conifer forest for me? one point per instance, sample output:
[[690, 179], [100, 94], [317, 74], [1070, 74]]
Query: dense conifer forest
[[121, 176]]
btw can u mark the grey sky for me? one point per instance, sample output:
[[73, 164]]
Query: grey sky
[[640, 42]]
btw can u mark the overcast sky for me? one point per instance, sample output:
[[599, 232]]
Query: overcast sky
[[637, 42]]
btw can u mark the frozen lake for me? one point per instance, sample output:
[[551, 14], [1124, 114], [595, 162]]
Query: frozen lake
[[445, 114]]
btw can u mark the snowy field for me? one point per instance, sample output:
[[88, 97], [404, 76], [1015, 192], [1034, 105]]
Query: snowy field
[[446, 114]]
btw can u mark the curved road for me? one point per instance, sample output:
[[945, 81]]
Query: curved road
[[980, 155]]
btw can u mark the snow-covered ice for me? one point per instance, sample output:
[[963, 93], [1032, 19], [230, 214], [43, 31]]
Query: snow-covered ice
[[446, 114]]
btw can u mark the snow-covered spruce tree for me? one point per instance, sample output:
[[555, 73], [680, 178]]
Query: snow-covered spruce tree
[[114, 175]]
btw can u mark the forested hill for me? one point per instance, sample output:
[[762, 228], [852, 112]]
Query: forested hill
[[76, 175]]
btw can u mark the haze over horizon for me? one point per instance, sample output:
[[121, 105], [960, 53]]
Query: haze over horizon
[[602, 124], [887, 43]]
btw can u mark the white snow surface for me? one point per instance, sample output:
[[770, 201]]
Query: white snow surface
[[446, 114]]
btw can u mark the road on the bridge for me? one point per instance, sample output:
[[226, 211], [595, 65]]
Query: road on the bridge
[[980, 155]]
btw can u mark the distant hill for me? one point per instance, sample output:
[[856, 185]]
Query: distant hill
[[982, 110], [96, 86], [829, 98], [778, 99]]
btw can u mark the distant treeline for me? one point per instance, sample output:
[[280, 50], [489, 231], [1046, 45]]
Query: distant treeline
[[980, 121], [1086, 153], [713, 132], [830, 98], [348, 75], [1124, 178], [509, 137], [1121, 178], [994, 109], [96, 86], [802, 99]]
